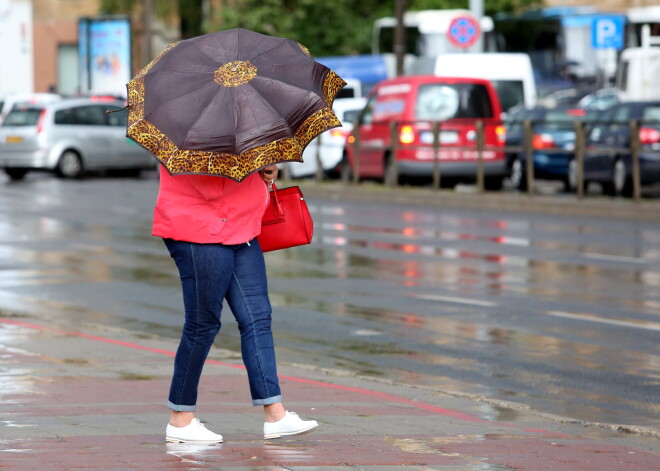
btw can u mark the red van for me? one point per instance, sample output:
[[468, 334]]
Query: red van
[[414, 103]]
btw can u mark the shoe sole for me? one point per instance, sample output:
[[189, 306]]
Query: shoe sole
[[181, 440], [270, 436]]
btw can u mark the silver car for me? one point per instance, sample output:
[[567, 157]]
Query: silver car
[[69, 137]]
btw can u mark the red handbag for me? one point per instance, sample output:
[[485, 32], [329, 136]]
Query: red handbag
[[286, 222]]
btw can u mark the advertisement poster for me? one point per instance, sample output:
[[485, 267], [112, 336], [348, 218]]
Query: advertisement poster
[[104, 47]]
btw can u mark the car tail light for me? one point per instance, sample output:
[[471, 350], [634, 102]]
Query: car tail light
[[543, 141], [339, 132], [40, 121], [407, 135], [500, 133], [649, 136]]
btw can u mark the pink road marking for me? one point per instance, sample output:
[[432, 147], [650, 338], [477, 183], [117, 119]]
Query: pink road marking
[[367, 392]]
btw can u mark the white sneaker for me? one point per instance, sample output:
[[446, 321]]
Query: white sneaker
[[195, 432], [290, 424]]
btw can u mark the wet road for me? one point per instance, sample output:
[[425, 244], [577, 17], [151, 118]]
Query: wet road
[[559, 313]]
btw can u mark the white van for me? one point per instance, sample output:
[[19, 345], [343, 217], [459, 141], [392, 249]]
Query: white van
[[510, 73], [638, 74]]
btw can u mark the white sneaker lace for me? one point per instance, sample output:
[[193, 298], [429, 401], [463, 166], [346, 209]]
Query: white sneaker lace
[[198, 422]]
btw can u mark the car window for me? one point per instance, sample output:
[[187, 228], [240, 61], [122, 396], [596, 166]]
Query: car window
[[117, 116], [601, 124], [445, 101], [651, 113], [22, 117], [89, 115], [64, 116], [620, 118], [367, 114]]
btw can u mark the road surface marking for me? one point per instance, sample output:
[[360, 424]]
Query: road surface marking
[[451, 299], [594, 318], [613, 258]]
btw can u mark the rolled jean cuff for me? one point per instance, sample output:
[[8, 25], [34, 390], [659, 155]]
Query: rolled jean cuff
[[179, 408], [267, 401]]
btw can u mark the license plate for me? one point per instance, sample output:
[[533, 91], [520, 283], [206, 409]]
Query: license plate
[[445, 137], [14, 139]]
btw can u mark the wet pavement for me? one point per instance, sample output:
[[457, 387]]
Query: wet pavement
[[92, 399], [420, 335]]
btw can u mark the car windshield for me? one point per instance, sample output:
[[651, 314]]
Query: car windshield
[[457, 100], [22, 117], [562, 119]]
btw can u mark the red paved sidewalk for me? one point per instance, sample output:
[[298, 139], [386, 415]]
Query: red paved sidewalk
[[95, 401]]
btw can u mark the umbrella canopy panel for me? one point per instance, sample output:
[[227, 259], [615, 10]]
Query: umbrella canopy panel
[[231, 96]]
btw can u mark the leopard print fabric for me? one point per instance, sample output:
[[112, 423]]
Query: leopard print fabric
[[331, 86], [320, 121], [235, 73]]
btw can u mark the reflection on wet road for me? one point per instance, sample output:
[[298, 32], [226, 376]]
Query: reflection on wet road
[[560, 313]]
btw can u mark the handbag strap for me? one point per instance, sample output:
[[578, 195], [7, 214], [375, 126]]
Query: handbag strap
[[277, 209]]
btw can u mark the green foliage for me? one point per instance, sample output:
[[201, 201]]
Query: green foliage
[[340, 27], [327, 28]]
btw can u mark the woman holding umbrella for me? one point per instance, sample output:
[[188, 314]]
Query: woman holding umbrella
[[219, 258], [230, 104]]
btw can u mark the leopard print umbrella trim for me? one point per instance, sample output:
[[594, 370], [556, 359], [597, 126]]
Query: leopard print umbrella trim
[[236, 167], [331, 86]]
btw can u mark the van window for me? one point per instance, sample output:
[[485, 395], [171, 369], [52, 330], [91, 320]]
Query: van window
[[510, 93], [346, 92], [22, 117], [439, 101], [623, 75]]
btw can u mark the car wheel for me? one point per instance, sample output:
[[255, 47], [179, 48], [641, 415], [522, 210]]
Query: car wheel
[[493, 183], [621, 179], [517, 174], [571, 181], [69, 165], [16, 174]]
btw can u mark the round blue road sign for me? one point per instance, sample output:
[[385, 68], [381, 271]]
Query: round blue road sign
[[463, 31]]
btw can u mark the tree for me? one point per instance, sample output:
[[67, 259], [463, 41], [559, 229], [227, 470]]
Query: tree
[[340, 27]]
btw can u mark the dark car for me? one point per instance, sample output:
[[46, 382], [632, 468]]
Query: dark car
[[608, 160], [553, 143]]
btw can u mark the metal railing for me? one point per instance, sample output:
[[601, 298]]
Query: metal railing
[[390, 177]]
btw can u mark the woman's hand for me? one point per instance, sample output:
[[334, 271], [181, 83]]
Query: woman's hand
[[269, 174]]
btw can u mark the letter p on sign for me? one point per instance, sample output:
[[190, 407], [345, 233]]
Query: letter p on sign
[[607, 32]]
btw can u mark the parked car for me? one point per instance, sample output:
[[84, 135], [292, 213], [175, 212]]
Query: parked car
[[608, 160], [553, 143], [600, 99], [412, 104], [329, 146], [7, 102], [69, 137]]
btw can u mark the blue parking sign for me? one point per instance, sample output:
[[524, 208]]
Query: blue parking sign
[[607, 32]]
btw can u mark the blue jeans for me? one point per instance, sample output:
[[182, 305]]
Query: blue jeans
[[211, 273]]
